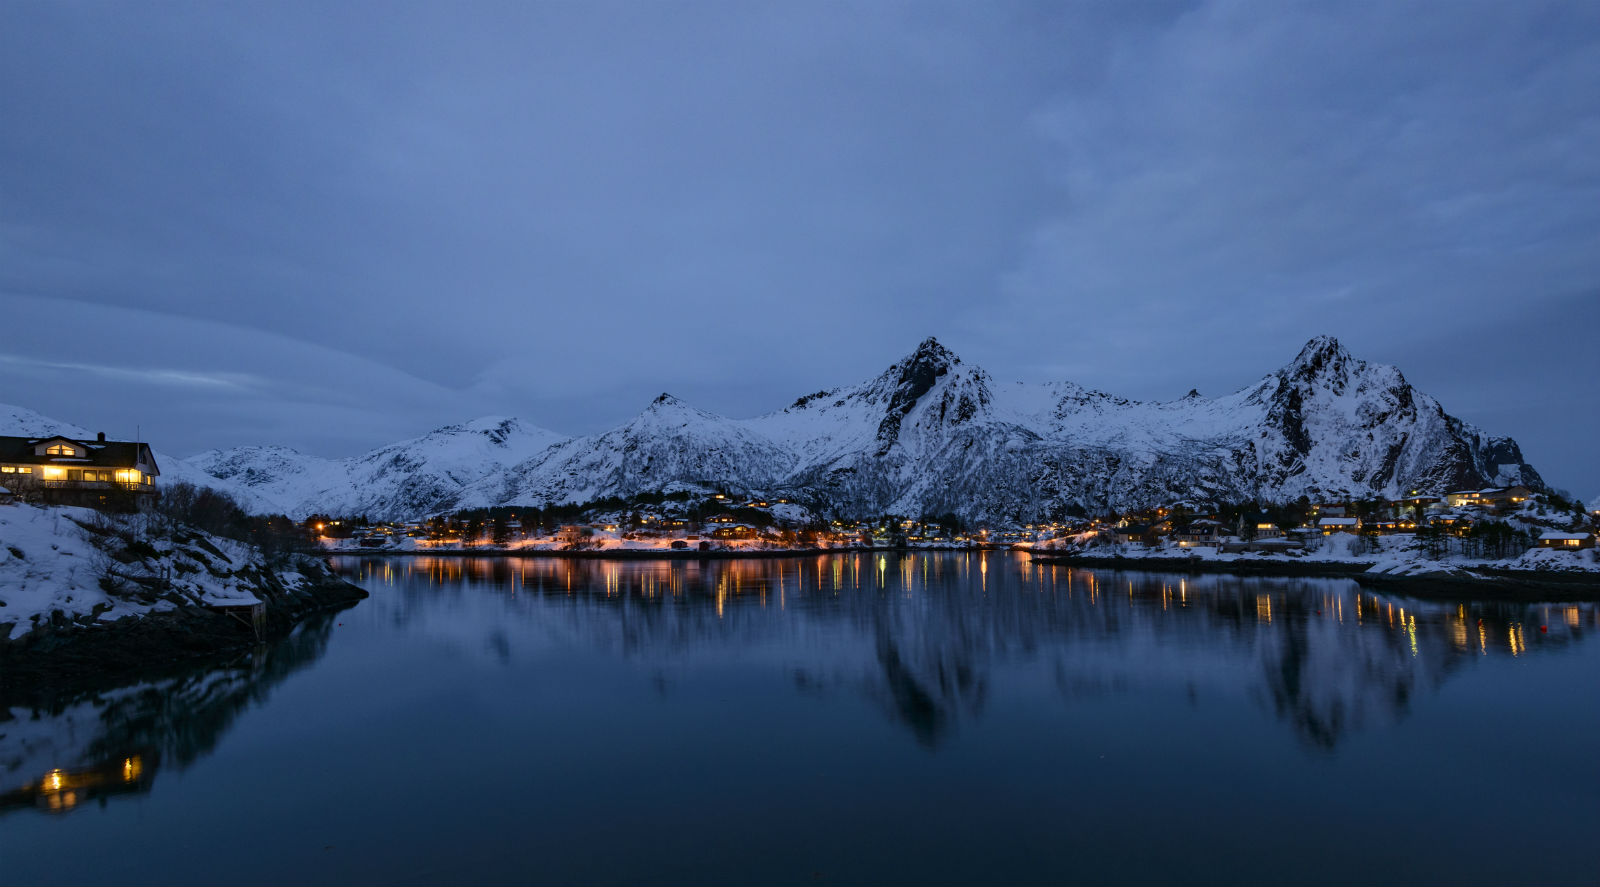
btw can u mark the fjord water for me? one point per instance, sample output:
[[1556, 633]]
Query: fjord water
[[929, 718]]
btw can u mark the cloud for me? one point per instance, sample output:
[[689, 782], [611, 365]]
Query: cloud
[[376, 216]]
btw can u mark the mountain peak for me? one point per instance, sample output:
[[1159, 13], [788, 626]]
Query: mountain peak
[[666, 400], [931, 352], [1321, 349], [488, 423]]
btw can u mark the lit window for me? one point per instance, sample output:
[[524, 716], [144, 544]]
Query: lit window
[[54, 473], [61, 450], [8, 469]]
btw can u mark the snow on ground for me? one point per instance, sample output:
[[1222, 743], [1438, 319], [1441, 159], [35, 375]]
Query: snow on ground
[[50, 562], [1398, 555]]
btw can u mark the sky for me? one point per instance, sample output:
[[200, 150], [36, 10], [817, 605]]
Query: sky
[[332, 225]]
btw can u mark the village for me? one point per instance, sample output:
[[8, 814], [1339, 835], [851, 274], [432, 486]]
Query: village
[[1494, 523], [1499, 522]]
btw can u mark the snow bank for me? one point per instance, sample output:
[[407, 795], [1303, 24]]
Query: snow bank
[[77, 564]]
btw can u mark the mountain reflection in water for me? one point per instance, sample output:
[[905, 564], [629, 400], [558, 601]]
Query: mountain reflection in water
[[862, 718], [924, 635]]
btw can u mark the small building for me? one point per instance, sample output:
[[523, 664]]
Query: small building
[[1331, 525], [1491, 497], [734, 531], [1566, 541], [1268, 530], [1505, 497], [1198, 532], [1131, 534], [99, 473]]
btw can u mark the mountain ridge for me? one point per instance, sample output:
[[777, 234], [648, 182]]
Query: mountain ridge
[[928, 435]]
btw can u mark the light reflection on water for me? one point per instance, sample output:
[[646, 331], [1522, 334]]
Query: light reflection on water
[[1326, 655], [872, 716]]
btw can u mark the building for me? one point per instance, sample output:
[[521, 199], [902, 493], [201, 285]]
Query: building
[[1198, 532], [1567, 541], [1492, 497], [1131, 534], [99, 473], [1331, 525], [1395, 525]]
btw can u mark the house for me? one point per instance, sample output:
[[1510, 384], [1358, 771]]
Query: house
[[1198, 532], [1131, 534], [1505, 497], [1492, 497], [1331, 525], [99, 473], [1566, 541], [734, 531], [1451, 522], [1266, 529]]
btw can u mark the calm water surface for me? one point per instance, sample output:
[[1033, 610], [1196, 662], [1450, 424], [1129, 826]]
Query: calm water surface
[[915, 718]]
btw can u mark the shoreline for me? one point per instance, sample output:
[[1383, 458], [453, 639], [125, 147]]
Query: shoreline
[[68, 656], [1523, 586], [639, 553]]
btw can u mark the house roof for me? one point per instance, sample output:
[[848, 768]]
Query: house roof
[[1337, 522], [1558, 537], [101, 453]]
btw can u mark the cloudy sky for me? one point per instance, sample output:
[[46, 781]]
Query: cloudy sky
[[337, 224]]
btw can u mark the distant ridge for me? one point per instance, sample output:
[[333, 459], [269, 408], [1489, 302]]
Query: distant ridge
[[929, 435]]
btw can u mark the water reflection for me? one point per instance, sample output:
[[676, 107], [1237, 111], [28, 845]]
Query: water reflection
[[929, 637], [63, 748]]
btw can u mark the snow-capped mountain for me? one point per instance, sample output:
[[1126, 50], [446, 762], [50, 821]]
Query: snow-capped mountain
[[929, 435], [669, 441], [413, 477]]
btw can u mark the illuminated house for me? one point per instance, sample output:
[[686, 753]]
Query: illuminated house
[[1567, 541], [1494, 497], [1331, 525], [96, 473]]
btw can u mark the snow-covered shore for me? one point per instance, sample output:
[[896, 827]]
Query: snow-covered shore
[[67, 572], [1394, 561]]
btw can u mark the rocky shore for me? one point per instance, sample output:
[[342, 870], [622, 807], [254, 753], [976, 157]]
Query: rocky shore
[[76, 652]]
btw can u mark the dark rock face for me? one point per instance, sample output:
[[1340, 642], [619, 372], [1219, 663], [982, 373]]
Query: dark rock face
[[917, 377]]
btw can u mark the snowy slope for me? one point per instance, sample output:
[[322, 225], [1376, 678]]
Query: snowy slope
[[51, 562], [423, 475], [932, 434], [668, 442]]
